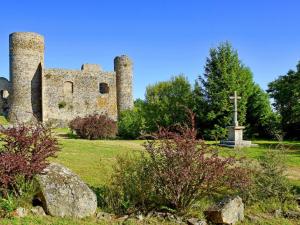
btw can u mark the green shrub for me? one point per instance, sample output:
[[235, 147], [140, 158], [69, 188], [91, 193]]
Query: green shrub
[[130, 124], [269, 179], [62, 104], [7, 205], [131, 186]]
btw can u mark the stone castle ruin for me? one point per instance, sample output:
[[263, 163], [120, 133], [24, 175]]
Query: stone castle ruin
[[59, 95]]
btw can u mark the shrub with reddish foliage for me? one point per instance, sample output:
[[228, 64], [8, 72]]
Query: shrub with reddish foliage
[[94, 127], [185, 169], [175, 171], [24, 152]]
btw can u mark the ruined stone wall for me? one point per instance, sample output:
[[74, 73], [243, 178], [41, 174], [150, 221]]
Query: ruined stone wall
[[71, 93], [5, 94], [123, 68], [59, 95], [26, 61]]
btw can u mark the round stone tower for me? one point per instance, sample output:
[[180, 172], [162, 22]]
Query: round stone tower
[[123, 69], [26, 62]]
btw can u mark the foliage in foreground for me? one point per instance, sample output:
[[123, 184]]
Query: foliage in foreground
[[269, 179], [24, 154], [175, 171], [94, 127]]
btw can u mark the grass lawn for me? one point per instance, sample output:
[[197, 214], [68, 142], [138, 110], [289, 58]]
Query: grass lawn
[[93, 162]]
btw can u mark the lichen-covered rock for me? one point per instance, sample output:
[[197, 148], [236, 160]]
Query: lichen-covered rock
[[228, 211], [21, 212], [195, 221], [38, 211], [64, 194]]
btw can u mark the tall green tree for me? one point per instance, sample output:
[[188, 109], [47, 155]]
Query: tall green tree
[[224, 74], [262, 121], [166, 102], [285, 91]]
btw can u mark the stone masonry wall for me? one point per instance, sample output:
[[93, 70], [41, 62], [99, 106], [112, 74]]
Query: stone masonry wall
[[5, 94], [71, 93], [123, 68], [26, 55], [58, 95]]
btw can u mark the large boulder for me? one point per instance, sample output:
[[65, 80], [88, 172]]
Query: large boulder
[[64, 194], [228, 211]]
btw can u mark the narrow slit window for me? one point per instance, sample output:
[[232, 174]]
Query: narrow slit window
[[103, 88]]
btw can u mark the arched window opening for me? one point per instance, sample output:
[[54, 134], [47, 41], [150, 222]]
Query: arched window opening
[[68, 88], [103, 88], [4, 94]]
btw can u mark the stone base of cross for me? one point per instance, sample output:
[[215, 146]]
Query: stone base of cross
[[235, 132]]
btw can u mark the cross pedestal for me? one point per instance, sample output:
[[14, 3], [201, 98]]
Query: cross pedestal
[[235, 138]]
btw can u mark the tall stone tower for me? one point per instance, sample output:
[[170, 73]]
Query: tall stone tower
[[26, 62], [123, 69]]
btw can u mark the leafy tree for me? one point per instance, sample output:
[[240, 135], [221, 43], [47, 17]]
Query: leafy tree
[[166, 102], [224, 74], [286, 93], [261, 120], [198, 106], [131, 123]]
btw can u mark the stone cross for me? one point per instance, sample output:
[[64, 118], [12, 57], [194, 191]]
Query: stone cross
[[235, 98]]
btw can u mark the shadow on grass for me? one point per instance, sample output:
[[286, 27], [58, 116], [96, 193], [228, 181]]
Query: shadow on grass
[[288, 146], [68, 135]]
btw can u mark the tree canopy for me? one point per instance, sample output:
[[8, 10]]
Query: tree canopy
[[224, 74], [285, 91], [166, 102]]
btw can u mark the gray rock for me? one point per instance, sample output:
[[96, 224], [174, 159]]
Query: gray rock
[[21, 212], [140, 217], [195, 221], [123, 218], [228, 211], [298, 200], [292, 214], [253, 219], [64, 194], [104, 215], [38, 211], [278, 213]]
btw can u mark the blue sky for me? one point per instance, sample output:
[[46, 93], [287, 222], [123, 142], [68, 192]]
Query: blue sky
[[163, 37]]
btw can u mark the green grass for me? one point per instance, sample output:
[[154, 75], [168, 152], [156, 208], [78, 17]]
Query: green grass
[[292, 151], [3, 120], [34, 220], [93, 160]]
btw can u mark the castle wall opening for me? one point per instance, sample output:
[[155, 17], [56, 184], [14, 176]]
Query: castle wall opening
[[68, 89], [103, 88]]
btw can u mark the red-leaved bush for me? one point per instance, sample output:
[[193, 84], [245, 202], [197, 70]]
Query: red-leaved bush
[[175, 171], [24, 153], [186, 169], [94, 127]]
